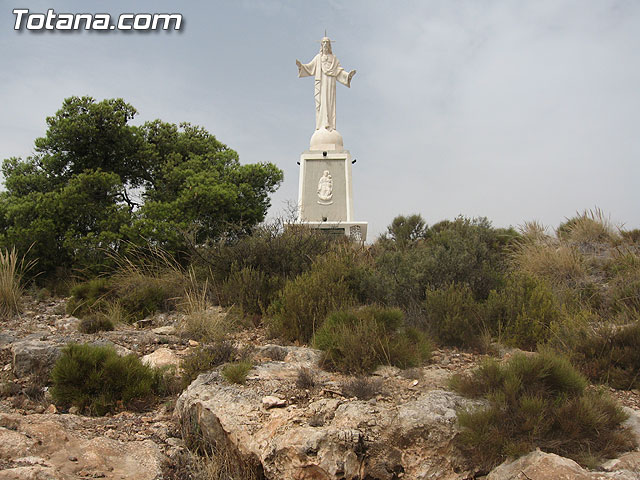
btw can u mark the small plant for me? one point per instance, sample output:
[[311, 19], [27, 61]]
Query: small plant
[[95, 323], [363, 388], [206, 325], [538, 401], [249, 289], [89, 296], [237, 372], [95, 378], [305, 379], [453, 315], [524, 311], [357, 341], [206, 358], [609, 355], [12, 269]]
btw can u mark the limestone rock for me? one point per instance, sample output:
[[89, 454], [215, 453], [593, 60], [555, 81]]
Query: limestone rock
[[330, 438], [629, 461], [271, 401], [162, 357], [166, 330], [31, 356], [41, 445], [539, 465], [633, 422]]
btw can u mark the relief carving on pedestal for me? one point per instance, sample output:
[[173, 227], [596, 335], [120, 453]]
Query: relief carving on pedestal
[[325, 189]]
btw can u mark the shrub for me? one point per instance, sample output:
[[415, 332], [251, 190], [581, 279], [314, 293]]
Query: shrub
[[357, 341], [12, 269], [609, 355], [206, 325], [305, 379], [453, 315], [538, 401], [460, 251], [237, 372], [94, 324], [275, 249], [523, 312], [206, 358], [249, 289], [305, 301], [95, 378], [363, 388], [89, 296]]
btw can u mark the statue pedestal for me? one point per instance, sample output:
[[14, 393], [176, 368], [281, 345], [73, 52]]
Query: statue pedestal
[[325, 196]]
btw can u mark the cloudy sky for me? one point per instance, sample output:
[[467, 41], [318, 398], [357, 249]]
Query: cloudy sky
[[513, 110]]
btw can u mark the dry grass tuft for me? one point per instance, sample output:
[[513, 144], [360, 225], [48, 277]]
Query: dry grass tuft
[[12, 269], [560, 264], [534, 231], [590, 226]]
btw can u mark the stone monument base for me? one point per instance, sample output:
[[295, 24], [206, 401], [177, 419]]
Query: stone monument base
[[330, 210], [356, 231]]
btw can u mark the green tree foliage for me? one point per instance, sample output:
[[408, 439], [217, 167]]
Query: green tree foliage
[[94, 180], [465, 250], [406, 230]]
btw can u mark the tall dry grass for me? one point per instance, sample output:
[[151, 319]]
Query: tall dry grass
[[12, 270], [590, 226], [556, 262]]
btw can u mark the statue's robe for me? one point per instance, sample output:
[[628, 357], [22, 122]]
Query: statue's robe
[[326, 69]]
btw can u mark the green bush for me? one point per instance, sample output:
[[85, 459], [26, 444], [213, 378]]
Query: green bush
[[461, 251], [275, 249], [609, 355], [237, 372], [144, 296], [357, 341], [206, 358], [249, 289], [538, 401], [249, 271], [453, 315], [96, 379], [89, 296], [95, 323], [305, 301], [523, 312]]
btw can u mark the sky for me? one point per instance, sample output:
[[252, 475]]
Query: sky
[[512, 110]]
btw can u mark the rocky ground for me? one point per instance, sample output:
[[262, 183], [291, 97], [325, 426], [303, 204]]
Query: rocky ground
[[291, 420]]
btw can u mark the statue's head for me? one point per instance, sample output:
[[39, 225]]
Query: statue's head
[[325, 45]]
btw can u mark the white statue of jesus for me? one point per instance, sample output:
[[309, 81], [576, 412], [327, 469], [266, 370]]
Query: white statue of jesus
[[326, 69]]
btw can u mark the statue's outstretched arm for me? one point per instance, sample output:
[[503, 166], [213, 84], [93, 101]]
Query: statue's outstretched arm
[[345, 78], [306, 69]]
